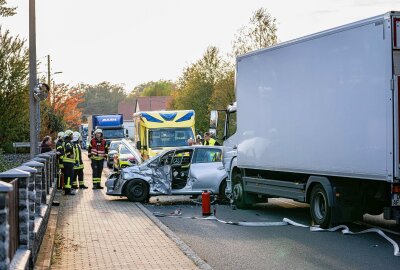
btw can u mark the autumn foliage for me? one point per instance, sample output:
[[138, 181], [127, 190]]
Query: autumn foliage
[[61, 109]]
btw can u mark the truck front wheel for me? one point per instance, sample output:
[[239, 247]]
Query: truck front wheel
[[239, 195], [319, 207]]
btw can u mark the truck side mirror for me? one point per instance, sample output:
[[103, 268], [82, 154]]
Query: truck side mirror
[[138, 145], [213, 119], [213, 123]]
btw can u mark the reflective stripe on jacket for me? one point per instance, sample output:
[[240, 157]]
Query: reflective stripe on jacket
[[97, 149], [69, 152], [78, 156]]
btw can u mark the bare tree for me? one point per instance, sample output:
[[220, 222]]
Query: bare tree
[[260, 33], [6, 11]]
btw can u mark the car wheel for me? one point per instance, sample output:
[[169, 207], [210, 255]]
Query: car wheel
[[221, 194], [239, 195], [137, 191], [319, 207]]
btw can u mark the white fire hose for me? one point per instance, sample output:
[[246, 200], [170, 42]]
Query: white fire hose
[[344, 229]]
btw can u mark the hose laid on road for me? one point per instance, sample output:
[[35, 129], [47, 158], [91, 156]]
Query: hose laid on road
[[344, 229]]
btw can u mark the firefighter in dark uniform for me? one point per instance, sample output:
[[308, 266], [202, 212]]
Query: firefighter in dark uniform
[[78, 166], [97, 152], [69, 162], [60, 156]]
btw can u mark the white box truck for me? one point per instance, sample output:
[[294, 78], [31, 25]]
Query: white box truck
[[317, 121]]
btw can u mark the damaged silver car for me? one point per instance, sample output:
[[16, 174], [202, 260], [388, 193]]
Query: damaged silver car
[[182, 171]]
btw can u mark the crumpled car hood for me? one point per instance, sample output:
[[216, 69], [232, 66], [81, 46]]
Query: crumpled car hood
[[159, 179]]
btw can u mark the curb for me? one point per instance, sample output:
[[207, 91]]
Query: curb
[[182, 245], [45, 254]]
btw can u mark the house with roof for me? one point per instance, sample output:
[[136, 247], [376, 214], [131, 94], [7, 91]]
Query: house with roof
[[152, 103]]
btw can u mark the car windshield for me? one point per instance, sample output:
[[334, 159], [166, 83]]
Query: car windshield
[[124, 150], [113, 133], [114, 145], [148, 161], [169, 137]]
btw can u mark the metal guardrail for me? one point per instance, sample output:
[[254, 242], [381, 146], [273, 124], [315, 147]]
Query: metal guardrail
[[17, 145]]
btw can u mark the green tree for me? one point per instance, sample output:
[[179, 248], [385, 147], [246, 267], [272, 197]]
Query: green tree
[[102, 98], [14, 91], [260, 33], [6, 11], [159, 88], [196, 86]]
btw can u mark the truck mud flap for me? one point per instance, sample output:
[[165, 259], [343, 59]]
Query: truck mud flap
[[344, 229]]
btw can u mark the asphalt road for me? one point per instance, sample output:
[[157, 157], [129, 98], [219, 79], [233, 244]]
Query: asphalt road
[[278, 247]]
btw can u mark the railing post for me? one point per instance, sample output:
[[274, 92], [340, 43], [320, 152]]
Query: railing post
[[49, 178], [44, 178], [23, 204], [31, 201], [4, 226], [38, 184], [54, 168]]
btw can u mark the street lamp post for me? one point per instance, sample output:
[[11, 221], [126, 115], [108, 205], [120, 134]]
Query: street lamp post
[[33, 103]]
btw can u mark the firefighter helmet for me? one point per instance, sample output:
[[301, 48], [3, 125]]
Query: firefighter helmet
[[60, 135], [75, 136], [98, 131], [68, 133]]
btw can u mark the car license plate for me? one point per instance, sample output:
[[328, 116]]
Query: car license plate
[[395, 199]]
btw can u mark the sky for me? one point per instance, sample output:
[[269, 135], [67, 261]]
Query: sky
[[130, 42]]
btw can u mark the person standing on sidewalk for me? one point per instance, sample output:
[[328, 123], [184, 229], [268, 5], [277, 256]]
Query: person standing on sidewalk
[[78, 166], [60, 156], [69, 161], [97, 152]]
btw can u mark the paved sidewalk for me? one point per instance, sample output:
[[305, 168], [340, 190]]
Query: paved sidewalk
[[96, 231]]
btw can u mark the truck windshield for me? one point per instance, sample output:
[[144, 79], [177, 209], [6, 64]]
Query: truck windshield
[[113, 133], [169, 137]]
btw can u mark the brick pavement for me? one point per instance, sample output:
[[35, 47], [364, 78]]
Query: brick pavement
[[96, 231]]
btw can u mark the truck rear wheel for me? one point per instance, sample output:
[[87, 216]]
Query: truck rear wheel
[[319, 207], [137, 191], [239, 195]]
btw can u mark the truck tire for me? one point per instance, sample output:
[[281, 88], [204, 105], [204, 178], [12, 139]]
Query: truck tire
[[221, 193], [319, 207], [239, 195], [137, 191]]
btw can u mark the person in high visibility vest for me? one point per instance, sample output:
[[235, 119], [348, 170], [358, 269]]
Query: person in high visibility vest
[[60, 156], [78, 166], [68, 161], [208, 140], [97, 152]]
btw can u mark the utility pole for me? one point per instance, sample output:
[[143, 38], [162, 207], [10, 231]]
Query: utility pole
[[33, 103], [48, 71]]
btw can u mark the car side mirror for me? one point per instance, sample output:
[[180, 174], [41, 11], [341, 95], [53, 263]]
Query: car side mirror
[[138, 145]]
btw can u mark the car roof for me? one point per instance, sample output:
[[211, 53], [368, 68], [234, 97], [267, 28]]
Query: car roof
[[195, 147]]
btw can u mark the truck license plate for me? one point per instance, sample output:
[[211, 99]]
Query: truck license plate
[[395, 199]]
